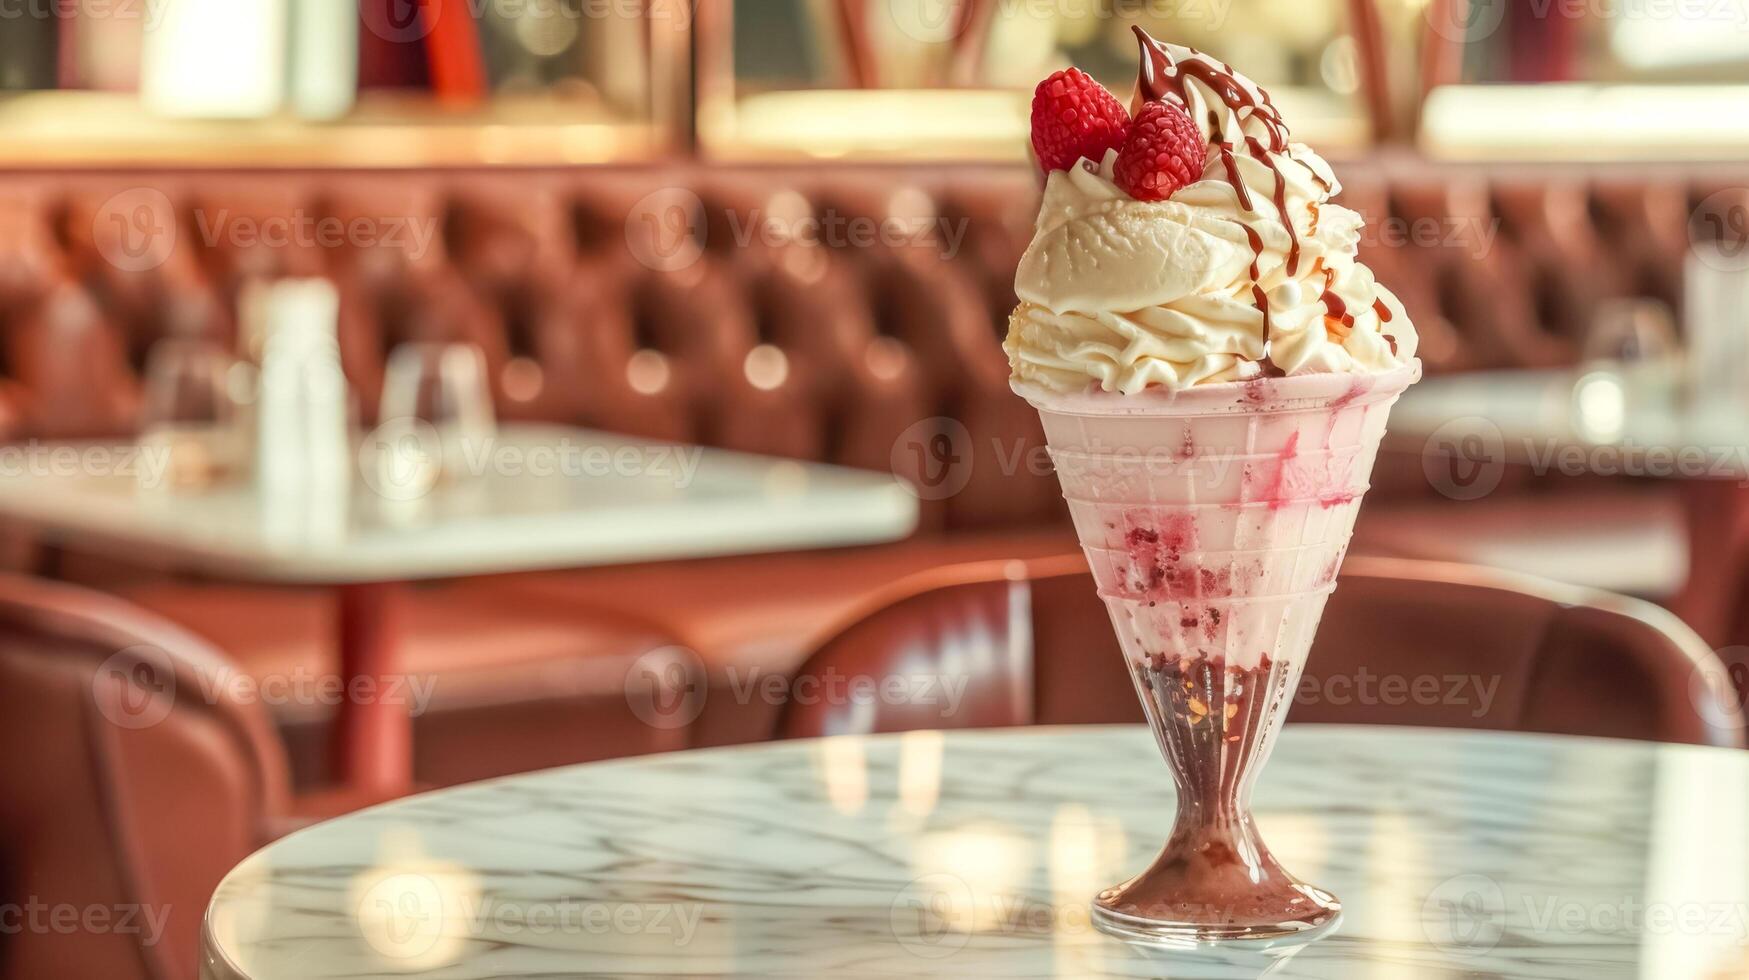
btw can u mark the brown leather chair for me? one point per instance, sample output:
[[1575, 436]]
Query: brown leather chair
[[133, 781], [1402, 643], [139, 770]]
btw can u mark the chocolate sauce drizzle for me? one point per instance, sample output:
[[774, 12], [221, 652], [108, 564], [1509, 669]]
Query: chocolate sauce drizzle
[[1259, 297], [1384, 312], [1162, 77], [1334, 305]]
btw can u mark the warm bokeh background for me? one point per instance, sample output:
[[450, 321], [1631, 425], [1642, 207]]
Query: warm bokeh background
[[789, 227]]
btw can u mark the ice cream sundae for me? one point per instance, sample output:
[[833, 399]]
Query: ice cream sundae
[[1213, 367]]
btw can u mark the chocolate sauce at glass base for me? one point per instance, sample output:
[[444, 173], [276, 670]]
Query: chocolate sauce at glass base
[[1216, 722]]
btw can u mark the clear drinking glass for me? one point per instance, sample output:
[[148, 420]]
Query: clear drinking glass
[[1715, 322], [436, 417], [194, 412], [1631, 331], [1625, 362]]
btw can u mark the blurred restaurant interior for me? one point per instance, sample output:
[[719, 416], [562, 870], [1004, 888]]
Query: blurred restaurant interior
[[398, 394]]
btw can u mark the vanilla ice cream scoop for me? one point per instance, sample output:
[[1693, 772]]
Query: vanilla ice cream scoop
[[1248, 271]]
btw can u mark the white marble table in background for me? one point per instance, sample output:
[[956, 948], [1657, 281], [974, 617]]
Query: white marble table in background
[[974, 854], [527, 498]]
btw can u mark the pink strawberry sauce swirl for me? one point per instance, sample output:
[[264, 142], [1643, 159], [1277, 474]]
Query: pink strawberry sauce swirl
[[1163, 546]]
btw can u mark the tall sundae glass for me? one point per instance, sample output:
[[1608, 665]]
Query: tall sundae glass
[[1213, 369]]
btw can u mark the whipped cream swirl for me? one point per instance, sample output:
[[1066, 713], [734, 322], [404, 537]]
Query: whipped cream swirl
[[1249, 271]]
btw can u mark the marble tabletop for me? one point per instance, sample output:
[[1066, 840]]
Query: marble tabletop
[[530, 497], [974, 854], [1632, 421]]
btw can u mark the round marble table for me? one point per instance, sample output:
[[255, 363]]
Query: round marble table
[[974, 854]]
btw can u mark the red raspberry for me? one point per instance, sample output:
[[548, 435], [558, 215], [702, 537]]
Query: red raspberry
[[1073, 116], [1163, 152]]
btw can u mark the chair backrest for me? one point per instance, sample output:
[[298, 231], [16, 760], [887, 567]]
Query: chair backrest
[[1402, 642], [135, 777]]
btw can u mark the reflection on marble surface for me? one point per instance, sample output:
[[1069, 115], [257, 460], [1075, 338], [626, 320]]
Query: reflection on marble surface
[[975, 854]]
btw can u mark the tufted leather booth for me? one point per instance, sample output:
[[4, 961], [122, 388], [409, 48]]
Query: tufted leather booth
[[1402, 642], [850, 314], [571, 280]]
